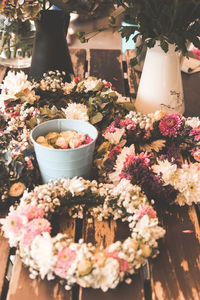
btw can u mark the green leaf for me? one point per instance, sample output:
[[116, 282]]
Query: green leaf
[[133, 61], [127, 105], [164, 45], [96, 118]]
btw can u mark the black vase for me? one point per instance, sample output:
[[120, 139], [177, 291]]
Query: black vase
[[50, 50]]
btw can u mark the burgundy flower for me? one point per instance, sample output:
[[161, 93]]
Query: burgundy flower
[[170, 124]]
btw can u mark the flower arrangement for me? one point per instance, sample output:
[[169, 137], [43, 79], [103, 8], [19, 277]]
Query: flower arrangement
[[25, 104], [168, 170], [28, 226]]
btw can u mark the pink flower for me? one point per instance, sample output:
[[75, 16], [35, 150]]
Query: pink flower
[[13, 223], [65, 258], [31, 212], [116, 150], [123, 264], [146, 210], [88, 140], [196, 133], [127, 123], [196, 53], [196, 154], [39, 225], [33, 228], [170, 124], [111, 128], [77, 79], [61, 143], [28, 238], [144, 158]]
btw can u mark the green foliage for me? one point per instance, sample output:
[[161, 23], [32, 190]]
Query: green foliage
[[167, 21]]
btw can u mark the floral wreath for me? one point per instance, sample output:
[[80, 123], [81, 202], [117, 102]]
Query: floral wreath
[[167, 139], [29, 225]]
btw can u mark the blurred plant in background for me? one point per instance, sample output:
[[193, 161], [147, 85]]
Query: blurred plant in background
[[166, 21]]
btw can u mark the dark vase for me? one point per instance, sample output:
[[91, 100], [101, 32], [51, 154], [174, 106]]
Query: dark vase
[[50, 50]]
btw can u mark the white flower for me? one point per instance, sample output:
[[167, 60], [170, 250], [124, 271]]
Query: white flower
[[115, 137], [90, 83], [76, 112], [193, 122], [75, 185], [105, 277], [188, 184], [149, 229], [42, 253], [114, 177], [15, 83], [167, 169]]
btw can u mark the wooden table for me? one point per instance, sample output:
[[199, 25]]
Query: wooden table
[[175, 273]]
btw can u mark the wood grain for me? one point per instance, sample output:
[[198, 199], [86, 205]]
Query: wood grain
[[78, 57], [4, 255], [103, 234], [176, 271], [107, 64]]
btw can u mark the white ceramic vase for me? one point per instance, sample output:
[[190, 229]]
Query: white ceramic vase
[[160, 86]]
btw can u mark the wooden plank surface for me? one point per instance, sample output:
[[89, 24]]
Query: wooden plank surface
[[176, 271], [107, 64], [191, 88], [4, 255], [78, 57], [104, 233]]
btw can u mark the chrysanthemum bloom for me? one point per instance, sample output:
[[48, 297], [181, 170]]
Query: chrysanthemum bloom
[[170, 124]]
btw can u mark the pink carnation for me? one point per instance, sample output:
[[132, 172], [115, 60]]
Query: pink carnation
[[65, 258], [13, 223], [146, 210], [196, 133], [170, 124], [31, 212]]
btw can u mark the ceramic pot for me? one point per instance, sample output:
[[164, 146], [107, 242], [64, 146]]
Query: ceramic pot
[[50, 51], [160, 86]]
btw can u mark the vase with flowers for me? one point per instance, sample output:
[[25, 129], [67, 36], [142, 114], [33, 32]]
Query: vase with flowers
[[17, 32], [165, 27]]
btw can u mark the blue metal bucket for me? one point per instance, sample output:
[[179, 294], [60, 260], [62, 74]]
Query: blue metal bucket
[[68, 163]]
